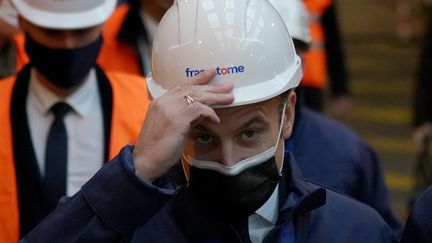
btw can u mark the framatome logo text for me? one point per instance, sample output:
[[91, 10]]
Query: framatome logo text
[[219, 71]]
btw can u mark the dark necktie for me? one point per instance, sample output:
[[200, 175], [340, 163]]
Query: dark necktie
[[56, 157]]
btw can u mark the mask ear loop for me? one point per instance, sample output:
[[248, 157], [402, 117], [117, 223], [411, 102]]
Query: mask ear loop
[[280, 135], [186, 170]]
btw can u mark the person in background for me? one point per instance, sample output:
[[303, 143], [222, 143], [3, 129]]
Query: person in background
[[128, 36], [315, 59], [62, 115], [324, 147], [130, 32], [222, 130], [422, 115], [324, 61], [340, 94]]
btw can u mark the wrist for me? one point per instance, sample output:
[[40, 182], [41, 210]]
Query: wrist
[[143, 171]]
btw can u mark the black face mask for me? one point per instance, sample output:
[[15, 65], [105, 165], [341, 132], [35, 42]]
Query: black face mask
[[235, 196], [65, 68]]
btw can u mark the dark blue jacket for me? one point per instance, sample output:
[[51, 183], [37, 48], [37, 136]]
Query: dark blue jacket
[[330, 154], [115, 203], [418, 228]]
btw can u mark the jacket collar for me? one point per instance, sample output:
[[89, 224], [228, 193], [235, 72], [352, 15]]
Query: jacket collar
[[296, 195]]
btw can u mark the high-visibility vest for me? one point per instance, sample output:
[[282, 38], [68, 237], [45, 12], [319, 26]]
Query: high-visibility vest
[[315, 59], [9, 217], [115, 55], [128, 112]]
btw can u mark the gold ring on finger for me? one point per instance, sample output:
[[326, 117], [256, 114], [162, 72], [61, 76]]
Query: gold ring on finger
[[189, 99]]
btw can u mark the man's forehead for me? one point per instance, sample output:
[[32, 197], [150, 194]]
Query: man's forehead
[[233, 118], [266, 106]]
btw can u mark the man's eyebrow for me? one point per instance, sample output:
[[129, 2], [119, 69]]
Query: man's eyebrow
[[201, 128], [254, 120]]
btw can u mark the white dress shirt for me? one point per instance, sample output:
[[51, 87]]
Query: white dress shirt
[[84, 126], [264, 219]]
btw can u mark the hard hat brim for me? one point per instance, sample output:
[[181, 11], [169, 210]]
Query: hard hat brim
[[249, 94], [53, 20]]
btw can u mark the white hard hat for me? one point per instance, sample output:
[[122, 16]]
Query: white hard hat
[[65, 14], [245, 40], [8, 13], [296, 18]]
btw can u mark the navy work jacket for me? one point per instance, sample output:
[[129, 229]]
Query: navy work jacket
[[116, 206], [330, 154]]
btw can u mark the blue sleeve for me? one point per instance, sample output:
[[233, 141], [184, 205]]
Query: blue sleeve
[[374, 190], [110, 206]]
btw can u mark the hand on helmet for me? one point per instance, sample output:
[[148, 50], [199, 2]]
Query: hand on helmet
[[169, 120]]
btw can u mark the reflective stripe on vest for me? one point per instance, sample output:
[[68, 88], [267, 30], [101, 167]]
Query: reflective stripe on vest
[[129, 108]]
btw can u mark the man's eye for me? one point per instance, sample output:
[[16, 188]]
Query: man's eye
[[249, 134], [204, 139]]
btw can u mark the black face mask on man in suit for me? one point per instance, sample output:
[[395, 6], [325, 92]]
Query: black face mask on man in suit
[[64, 68]]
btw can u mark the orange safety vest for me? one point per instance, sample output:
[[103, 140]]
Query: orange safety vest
[[130, 104], [114, 55], [315, 59], [9, 218]]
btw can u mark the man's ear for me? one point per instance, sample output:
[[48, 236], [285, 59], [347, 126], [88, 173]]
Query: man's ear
[[288, 123]]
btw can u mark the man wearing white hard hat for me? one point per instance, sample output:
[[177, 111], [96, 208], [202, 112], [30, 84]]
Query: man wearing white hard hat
[[128, 36], [222, 84], [322, 144], [132, 28], [62, 115]]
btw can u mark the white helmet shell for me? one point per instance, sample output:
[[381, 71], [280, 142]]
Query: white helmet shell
[[245, 40], [296, 17], [70, 14]]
